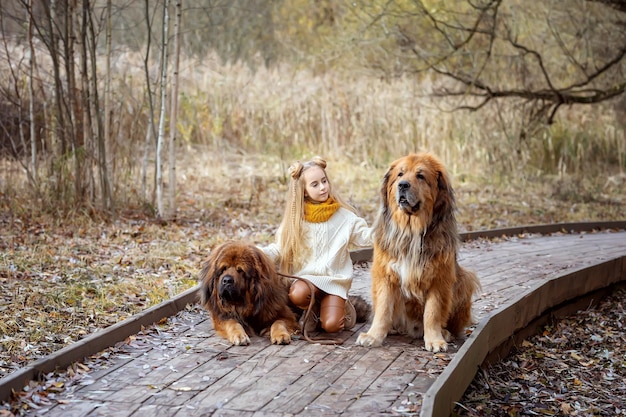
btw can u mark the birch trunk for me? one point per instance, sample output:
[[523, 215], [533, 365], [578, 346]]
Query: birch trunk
[[163, 114], [150, 129], [174, 114]]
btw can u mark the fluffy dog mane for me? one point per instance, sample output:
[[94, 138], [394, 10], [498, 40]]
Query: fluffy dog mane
[[395, 231]]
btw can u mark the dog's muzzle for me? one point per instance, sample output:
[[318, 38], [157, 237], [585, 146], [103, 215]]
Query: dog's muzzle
[[227, 289], [406, 198]]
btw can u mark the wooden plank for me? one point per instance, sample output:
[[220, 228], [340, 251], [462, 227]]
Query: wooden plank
[[166, 372], [160, 410], [384, 390], [503, 284], [349, 386], [288, 371], [204, 411], [410, 400], [239, 379], [155, 370], [301, 397], [83, 408]]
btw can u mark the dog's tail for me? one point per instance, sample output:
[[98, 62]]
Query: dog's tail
[[362, 307]]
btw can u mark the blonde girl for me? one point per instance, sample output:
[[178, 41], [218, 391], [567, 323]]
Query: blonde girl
[[313, 241]]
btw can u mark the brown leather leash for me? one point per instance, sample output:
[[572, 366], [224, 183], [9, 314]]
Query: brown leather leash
[[308, 312]]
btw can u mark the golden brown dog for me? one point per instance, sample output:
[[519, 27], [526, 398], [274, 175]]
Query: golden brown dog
[[245, 295], [418, 287]]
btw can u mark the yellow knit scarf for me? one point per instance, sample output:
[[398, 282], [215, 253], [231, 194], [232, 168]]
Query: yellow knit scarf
[[320, 212]]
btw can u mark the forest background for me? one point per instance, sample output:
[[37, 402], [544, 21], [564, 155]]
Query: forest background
[[134, 136]]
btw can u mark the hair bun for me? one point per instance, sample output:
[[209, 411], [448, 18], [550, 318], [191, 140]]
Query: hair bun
[[318, 160], [295, 170]]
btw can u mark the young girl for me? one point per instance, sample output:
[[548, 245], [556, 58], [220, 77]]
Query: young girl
[[313, 242]]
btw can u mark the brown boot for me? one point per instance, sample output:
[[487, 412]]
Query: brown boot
[[312, 321], [350, 313]]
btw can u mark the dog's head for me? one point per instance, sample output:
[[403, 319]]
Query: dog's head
[[232, 278], [417, 185]]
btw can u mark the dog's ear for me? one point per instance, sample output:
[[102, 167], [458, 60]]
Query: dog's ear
[[445, 202], [206, 284], [384, 192], [384, 188], [384, 212], [265, 270], [208, 276]]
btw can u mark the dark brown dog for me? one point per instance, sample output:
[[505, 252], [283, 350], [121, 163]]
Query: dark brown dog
[[418, 287], [245, 295]]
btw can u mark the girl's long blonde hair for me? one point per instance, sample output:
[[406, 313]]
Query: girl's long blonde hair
[[291, 238]]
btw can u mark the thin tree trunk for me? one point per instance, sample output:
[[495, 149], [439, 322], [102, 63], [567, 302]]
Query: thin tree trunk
[[87, 130], [144, 164], [106, 141], [151, 130], [174, 113], [96, 120], [163, 114], [57, 121], [18, 149], [31, 97], [77, 140]]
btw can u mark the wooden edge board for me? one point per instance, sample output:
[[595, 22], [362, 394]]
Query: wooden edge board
[[364, 255], [95, 342], [536, 326], [544, 229], [497, 328]]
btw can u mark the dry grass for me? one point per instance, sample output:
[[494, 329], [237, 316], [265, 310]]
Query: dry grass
[[288, 112]]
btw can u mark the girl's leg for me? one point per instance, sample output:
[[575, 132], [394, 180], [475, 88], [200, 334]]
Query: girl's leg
[[332, 313], [300, 294]]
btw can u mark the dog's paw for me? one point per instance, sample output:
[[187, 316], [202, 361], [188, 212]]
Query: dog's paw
[[239, 339], [280, 338], [435, 345], [367, 340], [279, 333]]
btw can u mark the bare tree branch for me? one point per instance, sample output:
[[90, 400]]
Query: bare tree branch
[[486, 54]]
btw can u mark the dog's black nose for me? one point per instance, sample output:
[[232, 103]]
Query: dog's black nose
[[404, 185], [228, 280]]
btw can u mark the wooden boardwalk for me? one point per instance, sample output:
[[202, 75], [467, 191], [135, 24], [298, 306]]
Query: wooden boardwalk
[[181, 368]]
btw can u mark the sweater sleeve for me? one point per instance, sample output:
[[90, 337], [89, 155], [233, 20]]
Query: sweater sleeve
[[271, 250], [361, 236]]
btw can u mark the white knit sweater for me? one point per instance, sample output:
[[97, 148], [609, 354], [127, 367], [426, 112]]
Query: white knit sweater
[[329, 267]]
